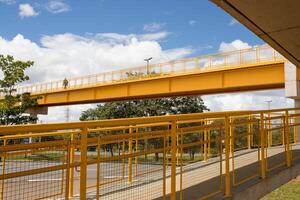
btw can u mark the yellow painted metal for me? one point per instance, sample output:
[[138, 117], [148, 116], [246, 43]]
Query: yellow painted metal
[[3, 171], [136, 158], [231, 138], [130, 158], [205, 142], [98, 169], [262, 146], [250, 133], [227, 161], [212, 77], [173, 160], [288, 140], [270, 137], [72, 154], [83, 163], [255, 77], [173, 135]]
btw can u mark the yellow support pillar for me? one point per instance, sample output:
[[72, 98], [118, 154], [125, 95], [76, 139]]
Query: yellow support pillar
[[130, 157], [83, 163], [287, 136], [262, 145], [173, 160], [227, 152]]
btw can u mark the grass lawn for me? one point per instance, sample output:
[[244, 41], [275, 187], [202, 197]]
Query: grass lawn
[[289, 191]]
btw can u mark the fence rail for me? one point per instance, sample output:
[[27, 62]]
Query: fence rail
[[189, 156], [257, 55]]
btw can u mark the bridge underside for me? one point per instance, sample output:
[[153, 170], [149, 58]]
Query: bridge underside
[[275, 21]]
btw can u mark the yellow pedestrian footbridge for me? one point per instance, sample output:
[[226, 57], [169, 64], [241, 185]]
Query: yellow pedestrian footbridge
[[258, 68], [191, 156]]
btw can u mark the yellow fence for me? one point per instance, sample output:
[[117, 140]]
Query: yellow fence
[[254, 56], [193, 156]]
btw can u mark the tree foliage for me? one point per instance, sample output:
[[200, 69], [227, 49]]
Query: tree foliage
[[146, 107], [14, 106]]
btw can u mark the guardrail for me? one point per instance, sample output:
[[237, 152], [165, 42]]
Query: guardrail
[[202, 154], [257, 55]]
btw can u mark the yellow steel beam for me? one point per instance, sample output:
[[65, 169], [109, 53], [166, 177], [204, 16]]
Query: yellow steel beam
[[256, 77]]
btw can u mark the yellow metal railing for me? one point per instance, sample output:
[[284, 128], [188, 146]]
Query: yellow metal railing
[[178, 157], [254, 56]]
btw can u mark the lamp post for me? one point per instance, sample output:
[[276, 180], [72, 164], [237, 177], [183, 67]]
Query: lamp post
[[147, 60]]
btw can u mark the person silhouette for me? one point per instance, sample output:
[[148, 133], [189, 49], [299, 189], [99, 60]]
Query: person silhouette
[[65, 83]]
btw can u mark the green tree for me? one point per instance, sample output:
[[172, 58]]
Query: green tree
[[146, 107], [13, 106]]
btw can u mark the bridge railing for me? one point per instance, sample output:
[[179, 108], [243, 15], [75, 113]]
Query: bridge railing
[[256, 55], [178, 157]]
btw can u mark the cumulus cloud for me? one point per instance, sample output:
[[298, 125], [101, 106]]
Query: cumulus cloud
[[57, 7], [26, 10], [192, 22], [74, 55], [248, 101], [234, 45], [153, 27]]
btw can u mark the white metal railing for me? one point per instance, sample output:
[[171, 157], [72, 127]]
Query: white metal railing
[[255, 55]]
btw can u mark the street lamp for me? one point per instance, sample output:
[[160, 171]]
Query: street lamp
[[147, 60], [269, 104]]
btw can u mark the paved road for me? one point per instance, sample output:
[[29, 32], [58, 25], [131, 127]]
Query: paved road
[[198, 179]]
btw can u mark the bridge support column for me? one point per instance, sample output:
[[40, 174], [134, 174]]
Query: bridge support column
[[292, 90]]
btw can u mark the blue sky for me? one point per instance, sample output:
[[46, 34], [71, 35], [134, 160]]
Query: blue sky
[[73, 38], [195, 23]]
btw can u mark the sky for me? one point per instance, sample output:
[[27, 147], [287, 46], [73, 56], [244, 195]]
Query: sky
[[72, 38]]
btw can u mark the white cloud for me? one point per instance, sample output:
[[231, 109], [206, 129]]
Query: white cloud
[[153, 27], [8, 2], [234, 45], [73, 55], [26, 10], [233, 22], [57, 7], [248, 100], [192, 22]]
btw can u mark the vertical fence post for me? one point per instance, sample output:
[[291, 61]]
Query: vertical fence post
[[270, 137], [287, 136], [227, 152], [130, 155], [173, 160], [205, 142], [262, 145], [71, 159], [3, 172], [83, 162], [249, 131], [231, 138]]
